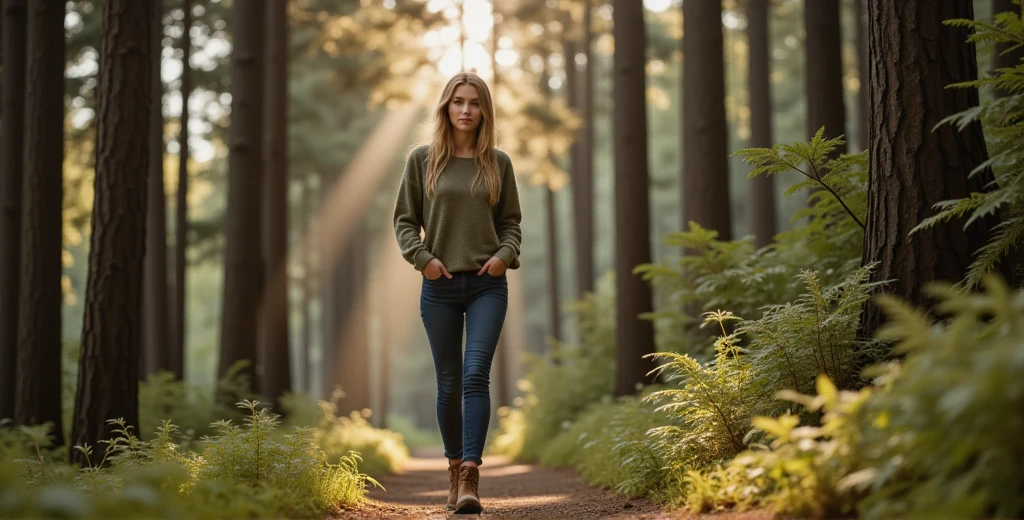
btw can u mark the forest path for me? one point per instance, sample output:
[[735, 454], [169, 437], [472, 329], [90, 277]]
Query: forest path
[[507, 490]]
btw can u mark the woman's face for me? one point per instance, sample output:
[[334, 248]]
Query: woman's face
[[464, 109]]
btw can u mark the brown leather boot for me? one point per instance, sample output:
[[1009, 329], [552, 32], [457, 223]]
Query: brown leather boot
[[469, 496], [453, 479]]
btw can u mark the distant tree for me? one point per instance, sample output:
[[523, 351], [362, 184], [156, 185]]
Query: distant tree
[[108, 383], [38, 398], [12, 141], [176, 358], [155, 345], [705, 135], [632, 241], [825, 106], [243, 262], [762, 187], [275, 358]]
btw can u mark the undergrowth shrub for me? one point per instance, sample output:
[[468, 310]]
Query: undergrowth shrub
[[1003, 121], [560, 384], [248, 470], [714, 274]]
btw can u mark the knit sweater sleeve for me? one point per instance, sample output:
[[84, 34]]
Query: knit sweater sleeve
[[408, 217], [509, 217]]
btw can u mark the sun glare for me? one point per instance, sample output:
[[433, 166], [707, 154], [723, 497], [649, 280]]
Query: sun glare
[[475, 30]]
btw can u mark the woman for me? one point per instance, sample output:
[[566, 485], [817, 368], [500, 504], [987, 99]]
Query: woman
[[462, 192]]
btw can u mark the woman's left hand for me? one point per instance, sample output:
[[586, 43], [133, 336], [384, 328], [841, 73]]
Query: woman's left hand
[[494, 267]]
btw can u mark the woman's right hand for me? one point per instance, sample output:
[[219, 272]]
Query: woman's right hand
[[434, 269]]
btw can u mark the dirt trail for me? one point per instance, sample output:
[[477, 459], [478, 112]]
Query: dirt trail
[[507, 490]]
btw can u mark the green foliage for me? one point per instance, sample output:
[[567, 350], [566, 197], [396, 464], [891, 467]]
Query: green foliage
[[1003, 121], [189, 406], [807, 471], [949, 424], [563, 382], [608, 445], [715, 274], [381, 451], [241, 471], [794, 343], [710, 410]]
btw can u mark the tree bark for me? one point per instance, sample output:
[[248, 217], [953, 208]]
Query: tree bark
[[176, 359], [156, 353], [632, 239], [863, 102], [825, 107], [1002, 58], [762, 188], [582, 180], [108, 384], [275, 357], [243, 262], [913, 59], [38, 398], [554, 310], [705, 135], [351, 361], [12, 153], [306, 301]]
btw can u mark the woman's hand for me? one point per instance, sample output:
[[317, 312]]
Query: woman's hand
[[495, 267], [434, 269]]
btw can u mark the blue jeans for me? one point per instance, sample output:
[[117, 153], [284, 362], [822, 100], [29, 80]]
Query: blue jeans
[[463, 387]]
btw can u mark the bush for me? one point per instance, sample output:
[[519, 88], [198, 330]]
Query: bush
[[250, 471]]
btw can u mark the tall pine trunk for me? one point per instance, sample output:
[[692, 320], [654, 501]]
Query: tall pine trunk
[[243, 262], [274, 357], [583, 175], [914, 164], [1003, 58], [12, 153], [155, 344], [176, 358], [825, 106], [108, 384], [863, 103], [762, 188], [635, 336], [38, 398], [306, 286], [551, 220], [705, 135], [351, 361]]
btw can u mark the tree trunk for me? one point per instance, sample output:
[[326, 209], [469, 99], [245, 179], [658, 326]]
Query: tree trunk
[[1005, 59], [155, 344], [243, 277], [863, 103], [351, 362], [554, 311], [275, 357], [705, 136], [582, 180], [12, 153], [108, 384], [762, 188], [825, 106], [306, 301], [176, 359], [632, 240], [38, 398], [913, 59]]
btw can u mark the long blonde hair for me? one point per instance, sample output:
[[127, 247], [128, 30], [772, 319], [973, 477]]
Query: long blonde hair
[[442, 146]]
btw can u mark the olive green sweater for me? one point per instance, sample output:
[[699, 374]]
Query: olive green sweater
[[461, 229]]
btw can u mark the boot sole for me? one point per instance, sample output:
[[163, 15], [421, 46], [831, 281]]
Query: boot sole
[[468, 506]]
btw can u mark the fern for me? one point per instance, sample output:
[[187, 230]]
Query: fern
[[1003, 121]]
